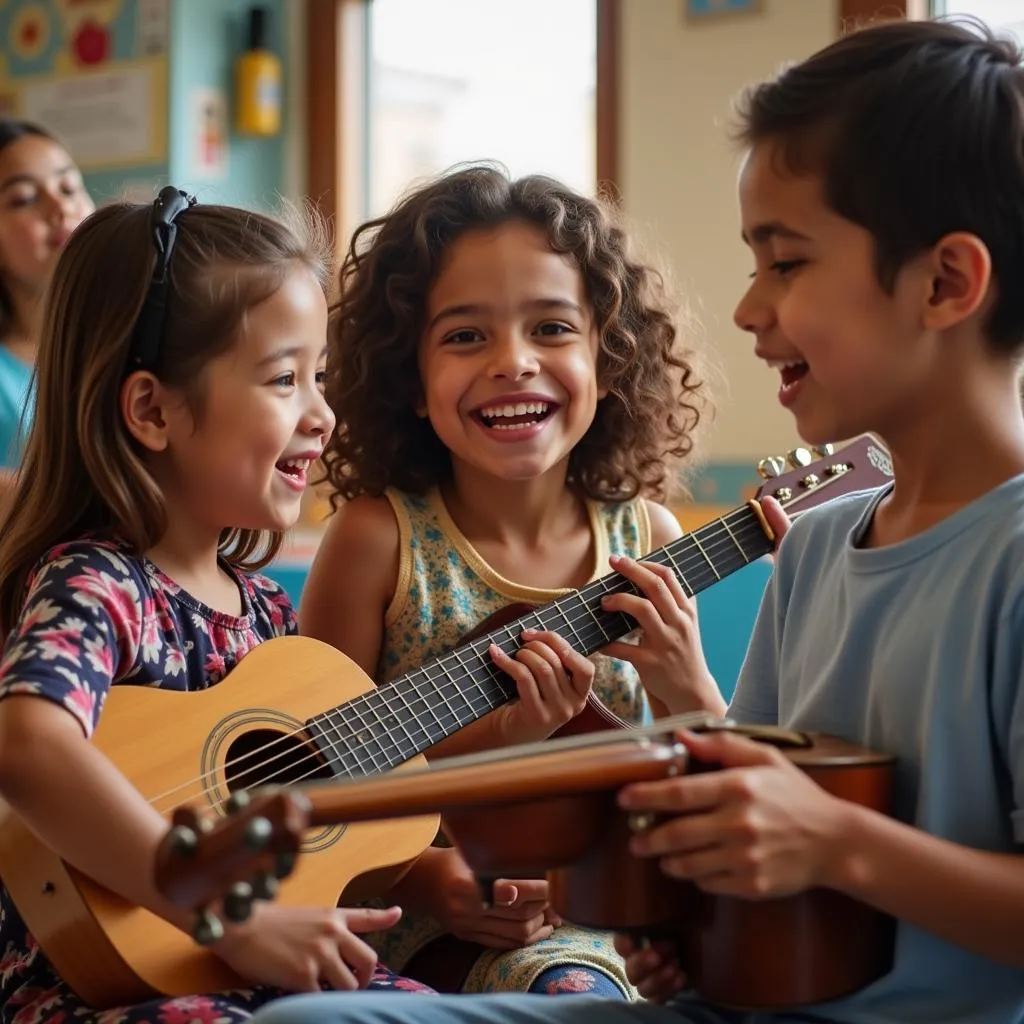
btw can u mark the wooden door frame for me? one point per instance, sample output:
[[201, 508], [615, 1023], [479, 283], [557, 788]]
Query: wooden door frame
[[854, 12]]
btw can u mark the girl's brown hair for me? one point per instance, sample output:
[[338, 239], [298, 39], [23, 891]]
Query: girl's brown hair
[[82, 471], [654, 397]]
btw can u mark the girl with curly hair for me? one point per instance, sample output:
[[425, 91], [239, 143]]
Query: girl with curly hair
[[511, 401]]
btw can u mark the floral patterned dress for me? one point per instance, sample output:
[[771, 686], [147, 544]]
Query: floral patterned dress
[[97, 615]]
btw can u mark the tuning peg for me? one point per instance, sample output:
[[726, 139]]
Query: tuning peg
[[823, 451], [284, 864], [770, 468], [207, 929], [238, 801], [183, 840], [238, 902], [799, 457], [258, 833], [264, 886]]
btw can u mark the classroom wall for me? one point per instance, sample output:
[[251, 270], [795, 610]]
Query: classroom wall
[[206, 37], [142, 92], [678, 174]]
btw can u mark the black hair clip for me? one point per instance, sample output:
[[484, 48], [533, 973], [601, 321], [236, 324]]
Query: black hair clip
[[149, 328]]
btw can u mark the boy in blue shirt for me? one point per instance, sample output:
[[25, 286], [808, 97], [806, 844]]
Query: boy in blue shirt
[[882, 198]]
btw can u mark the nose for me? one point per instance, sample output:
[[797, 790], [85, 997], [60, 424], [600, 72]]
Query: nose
[[753, 312], [513, 357], [61, 208], [318, 418]]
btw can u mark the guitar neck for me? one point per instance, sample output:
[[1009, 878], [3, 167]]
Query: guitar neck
[[407, 716]]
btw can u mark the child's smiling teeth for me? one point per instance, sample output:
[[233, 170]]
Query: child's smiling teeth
[[294, 466], [791, 370], [514, 415]]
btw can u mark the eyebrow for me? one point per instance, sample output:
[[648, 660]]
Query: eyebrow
[[19, 179], [772, 229], [281, 354], [476, 309]]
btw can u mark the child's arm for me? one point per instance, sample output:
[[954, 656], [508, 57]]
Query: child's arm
[[345, 599], [761, 827]]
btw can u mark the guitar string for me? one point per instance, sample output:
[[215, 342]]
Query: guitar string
[[728, 539]]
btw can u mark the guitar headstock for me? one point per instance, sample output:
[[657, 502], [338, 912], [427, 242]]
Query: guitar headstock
[[812, 476], [230, 862]]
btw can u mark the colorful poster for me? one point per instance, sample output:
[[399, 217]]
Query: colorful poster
[[92, 71]]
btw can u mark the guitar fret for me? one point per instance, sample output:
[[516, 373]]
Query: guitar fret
[[597, 623], [687, 589], [700, 548], [739, 547], [568, 622]]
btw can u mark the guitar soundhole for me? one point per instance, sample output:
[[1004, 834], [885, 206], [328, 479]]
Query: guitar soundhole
[[262, 756]]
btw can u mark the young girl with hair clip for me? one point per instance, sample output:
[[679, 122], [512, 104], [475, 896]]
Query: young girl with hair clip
[[173, 430], [511, 398], [42, 200]]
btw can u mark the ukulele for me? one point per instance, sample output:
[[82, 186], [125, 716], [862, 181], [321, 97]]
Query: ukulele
[[551, 807], [296, 710]]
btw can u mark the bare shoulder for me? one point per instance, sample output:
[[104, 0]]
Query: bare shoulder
[[665, 527], [363, 527], [355, 569]]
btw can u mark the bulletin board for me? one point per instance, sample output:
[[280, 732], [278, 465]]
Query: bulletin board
[[94, 72]]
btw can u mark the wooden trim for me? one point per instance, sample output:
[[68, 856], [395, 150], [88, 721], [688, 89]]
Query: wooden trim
[[324, 129], [323, 106], [859, 12], [609, 23]]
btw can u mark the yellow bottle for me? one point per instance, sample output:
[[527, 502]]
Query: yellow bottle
[[258, 82]]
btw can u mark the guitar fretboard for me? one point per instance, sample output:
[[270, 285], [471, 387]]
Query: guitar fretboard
[[403, 718]]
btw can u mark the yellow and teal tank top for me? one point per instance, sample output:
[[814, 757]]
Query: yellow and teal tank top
[[445, 590]]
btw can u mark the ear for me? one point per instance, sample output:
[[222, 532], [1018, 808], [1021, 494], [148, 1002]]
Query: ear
[[144, 409], [960, 272]]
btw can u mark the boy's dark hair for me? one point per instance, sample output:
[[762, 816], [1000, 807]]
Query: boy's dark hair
[[917, 129], [654, 397]]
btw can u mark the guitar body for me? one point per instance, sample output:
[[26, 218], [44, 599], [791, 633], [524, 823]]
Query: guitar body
[[740, 953], [113, 953]]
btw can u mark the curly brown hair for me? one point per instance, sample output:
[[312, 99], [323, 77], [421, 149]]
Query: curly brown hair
[[644, 425]]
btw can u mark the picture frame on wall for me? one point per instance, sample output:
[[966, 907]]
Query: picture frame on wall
[[706, 11]]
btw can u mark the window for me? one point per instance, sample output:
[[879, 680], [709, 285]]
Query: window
[[457, 80], [1006, 15]]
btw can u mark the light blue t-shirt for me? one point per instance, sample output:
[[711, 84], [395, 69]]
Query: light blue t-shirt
[[916, 649], [17, 405]]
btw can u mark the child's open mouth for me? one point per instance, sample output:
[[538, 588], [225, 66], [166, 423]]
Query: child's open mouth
[[514, 417], [294, 471], [793, 374]]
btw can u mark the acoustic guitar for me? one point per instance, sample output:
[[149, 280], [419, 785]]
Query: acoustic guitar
[[296, 710], [551, 807]]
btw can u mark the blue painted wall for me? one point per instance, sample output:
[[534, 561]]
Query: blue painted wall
[[206, 38]]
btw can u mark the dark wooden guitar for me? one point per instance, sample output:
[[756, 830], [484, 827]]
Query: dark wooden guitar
[[551, 808], [297, 710]]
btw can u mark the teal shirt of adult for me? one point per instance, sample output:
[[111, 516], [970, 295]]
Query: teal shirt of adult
[[17, 404]]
